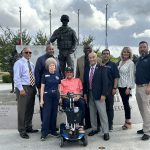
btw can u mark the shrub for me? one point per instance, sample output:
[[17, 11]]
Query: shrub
[[6, 78]]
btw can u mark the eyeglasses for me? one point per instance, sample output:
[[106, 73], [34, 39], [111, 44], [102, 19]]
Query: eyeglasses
[[28, 52]]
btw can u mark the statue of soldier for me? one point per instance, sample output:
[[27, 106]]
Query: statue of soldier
[[66, 43]]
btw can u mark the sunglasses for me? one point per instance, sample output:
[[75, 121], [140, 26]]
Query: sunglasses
[[28, 52]]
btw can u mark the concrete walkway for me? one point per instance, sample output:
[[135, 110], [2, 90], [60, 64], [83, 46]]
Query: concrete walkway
[[10, 139], [119, 140]]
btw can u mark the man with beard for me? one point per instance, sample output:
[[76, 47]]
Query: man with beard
[[142, 76]]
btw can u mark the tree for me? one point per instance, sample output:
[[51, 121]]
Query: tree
[[40, 39], [8, 42], [88, 41]]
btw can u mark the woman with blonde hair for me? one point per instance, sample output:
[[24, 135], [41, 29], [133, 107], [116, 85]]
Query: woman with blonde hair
[[126, 83], [49, 99]]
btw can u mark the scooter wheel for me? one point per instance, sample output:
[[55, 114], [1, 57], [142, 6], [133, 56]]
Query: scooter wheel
[[85, 141], [61, 142]]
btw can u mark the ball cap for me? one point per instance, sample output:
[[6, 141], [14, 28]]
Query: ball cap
[[69, 69]]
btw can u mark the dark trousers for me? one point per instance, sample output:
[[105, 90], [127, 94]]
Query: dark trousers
[[25, 108], [40, 110], [87, 116], [65, 60], [125, 100], [80, 103], [49, 113], [109, 108]]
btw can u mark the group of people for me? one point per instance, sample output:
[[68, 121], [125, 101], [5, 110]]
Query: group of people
[[96, 81]]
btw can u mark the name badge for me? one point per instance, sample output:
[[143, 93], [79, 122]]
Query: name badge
[[57, 77], [47, 75]]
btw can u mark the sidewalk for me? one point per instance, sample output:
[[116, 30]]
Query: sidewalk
[[10, 139], [119, 140]]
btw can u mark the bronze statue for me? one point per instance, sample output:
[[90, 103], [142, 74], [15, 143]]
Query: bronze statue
[[66, 43]]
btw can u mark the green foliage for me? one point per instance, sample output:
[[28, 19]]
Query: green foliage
[[6, 78], [8, 42], [88, 41], [40, 39]]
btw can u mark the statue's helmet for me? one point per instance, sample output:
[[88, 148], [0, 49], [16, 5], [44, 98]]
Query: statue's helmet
[[64, 18]]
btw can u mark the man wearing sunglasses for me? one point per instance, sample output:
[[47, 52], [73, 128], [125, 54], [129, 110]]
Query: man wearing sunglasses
[[25, 92]]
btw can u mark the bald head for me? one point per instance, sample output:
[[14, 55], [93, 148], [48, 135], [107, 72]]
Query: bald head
[[92, 58], [50, 50]]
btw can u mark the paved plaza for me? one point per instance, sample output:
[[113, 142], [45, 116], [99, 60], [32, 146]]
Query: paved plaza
[[10, 139]]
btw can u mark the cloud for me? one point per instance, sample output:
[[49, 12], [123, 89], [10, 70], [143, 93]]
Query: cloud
[[145, 33], [118, 21]]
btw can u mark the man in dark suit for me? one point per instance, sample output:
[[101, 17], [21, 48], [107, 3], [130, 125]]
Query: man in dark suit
[[95, 86]]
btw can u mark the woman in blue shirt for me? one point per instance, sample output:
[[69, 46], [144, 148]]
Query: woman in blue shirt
[[50, 98]]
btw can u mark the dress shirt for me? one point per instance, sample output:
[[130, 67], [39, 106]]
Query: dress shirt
[[126, 72], [21, 73], [94, 66]]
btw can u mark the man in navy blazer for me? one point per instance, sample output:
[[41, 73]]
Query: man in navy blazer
[[95, 87]]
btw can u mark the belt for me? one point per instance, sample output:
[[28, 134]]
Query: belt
[[50, 91], [29, 85], [141, 85]]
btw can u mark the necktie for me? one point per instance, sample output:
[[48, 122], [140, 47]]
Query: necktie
[[32, 81], [91, 77]]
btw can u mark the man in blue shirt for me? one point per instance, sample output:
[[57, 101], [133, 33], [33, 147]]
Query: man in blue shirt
[[143, 88], [113, 75], [25, 92]]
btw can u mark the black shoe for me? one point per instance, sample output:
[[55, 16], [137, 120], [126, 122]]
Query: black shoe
[[24, 135], [43, 138], [140, 132], [93, 132], [31, 131], [106, 136], [87, 127], [145, 137], [54, 134]]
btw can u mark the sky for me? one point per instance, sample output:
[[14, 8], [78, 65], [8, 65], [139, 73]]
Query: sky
[[128, 20]]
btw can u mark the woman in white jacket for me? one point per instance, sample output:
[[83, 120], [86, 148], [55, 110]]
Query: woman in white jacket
[[126, 83]]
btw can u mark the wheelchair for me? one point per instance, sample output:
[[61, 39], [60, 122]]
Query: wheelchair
[[69, 131]]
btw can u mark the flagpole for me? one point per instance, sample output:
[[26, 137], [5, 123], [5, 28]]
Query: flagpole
[[20, 27], [78, 26], [106, 28], [50, 23]]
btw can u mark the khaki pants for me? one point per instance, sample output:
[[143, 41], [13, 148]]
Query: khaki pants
[[143, 101], [96, 105]]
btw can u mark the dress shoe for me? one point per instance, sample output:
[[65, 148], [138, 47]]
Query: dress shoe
[[43, 138], [93, 132], [106, 136], [145, 137], [31, 131], [140, 132], [24, 135], [87, 127], [55, 134]]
